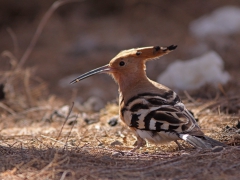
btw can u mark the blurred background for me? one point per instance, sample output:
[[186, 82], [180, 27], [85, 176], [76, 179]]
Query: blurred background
[[81, 36]]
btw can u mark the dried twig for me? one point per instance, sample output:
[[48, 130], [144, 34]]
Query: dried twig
[[6, 108], [40, 27], [189, 97], [70, 110], [34, 109], [27, 88], [15, 41], [65, 147], [56, 141]]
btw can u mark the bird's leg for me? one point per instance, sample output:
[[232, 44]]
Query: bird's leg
[[179, 146], [139, 143]]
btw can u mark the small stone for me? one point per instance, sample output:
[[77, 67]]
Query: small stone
[[113, 121], [217, 149], [100, 144], [238, 131], [185, 154], [129, 153], [89, 121], [238, 124], [72, 122], [63, 111], [115, 154], [115, 143], [227, 127]]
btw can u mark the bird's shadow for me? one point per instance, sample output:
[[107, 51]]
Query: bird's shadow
[[102, 162]]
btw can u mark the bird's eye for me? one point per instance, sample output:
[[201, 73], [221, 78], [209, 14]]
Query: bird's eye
[[122, 63]]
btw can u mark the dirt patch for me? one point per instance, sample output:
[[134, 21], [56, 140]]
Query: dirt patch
[[40, 139]]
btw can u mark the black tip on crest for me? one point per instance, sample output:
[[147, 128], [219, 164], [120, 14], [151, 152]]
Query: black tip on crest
[[138, 53], [172, 47], [157, 48]]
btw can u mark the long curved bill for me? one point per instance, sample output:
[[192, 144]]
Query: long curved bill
[[103, 69]]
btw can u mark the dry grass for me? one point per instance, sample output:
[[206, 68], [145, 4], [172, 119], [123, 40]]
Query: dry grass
[[37, 144], [42, 138], [39, 140]]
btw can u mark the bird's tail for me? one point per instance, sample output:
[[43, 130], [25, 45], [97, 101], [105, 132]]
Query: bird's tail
[[202, 142]]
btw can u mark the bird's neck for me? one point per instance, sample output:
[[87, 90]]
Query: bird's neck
[[134, 84]]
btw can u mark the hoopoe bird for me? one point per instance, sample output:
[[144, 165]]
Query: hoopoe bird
[[153, 111]]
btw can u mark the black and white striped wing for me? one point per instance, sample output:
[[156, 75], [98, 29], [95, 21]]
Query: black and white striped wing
[[158, 113]]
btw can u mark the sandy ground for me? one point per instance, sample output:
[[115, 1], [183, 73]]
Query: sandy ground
[[37, 141]]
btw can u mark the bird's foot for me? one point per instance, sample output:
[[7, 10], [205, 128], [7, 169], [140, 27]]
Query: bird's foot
[[179, 146], [139, 143]]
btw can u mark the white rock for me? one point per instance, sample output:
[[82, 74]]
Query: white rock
[[64, 110], [223, 21], [194, 73]]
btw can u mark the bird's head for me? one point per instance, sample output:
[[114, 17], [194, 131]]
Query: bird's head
[[129, 63]]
